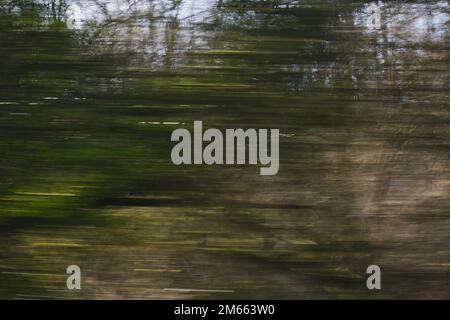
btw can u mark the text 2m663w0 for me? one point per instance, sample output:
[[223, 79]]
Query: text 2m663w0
[[249, 309]]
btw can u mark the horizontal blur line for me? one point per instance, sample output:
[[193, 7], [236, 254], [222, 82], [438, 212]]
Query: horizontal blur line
[[43, 194], [180, 203], [198, 290]]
